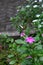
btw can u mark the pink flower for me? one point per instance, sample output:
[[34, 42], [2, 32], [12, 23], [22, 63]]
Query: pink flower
[[30, 40], [22, 34], [29, 57]]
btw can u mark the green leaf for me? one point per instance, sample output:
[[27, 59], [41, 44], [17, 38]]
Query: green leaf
[[14, 45], [10, 56], [22, 49], [27, 31], [37, 38], [12, 62], [38, 47], [24, 55], [41, 58], [36, 63], [19, 41], [26, 62], [12, 40]]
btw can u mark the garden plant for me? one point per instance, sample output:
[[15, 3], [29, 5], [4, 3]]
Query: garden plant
[[28, 49]]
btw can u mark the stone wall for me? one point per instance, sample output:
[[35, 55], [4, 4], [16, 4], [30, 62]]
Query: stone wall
[[7, 10]]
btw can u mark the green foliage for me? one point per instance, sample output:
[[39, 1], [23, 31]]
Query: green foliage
[[12, 62], [28, 50], [26, 53], [26, 15], [19, 41]]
